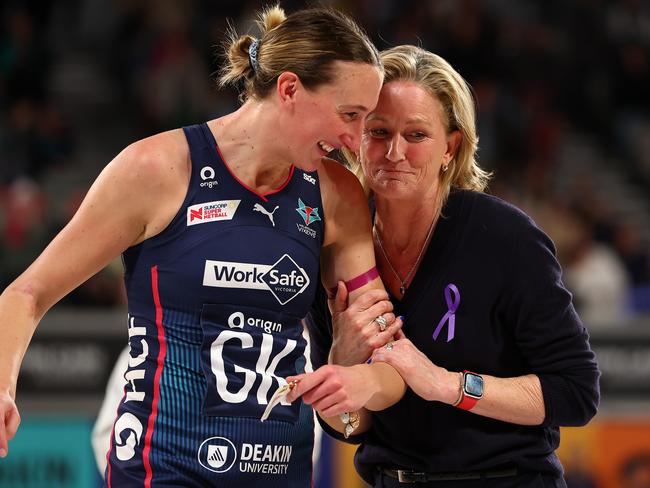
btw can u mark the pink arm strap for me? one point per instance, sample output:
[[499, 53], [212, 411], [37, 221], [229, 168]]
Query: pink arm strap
[[357, 281]]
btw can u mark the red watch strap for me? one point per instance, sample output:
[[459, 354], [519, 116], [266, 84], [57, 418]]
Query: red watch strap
[[468, 402]]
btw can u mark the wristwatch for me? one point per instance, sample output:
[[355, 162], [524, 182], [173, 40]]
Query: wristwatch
[[471, 390]]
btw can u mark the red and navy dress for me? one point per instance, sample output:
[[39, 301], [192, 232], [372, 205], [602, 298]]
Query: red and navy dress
[[215, 308]]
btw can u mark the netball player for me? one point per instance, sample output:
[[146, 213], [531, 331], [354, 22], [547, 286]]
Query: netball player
[[222, 227]]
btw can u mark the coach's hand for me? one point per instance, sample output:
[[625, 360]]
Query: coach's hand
[[9, 421], [355, 331], [426, 379]]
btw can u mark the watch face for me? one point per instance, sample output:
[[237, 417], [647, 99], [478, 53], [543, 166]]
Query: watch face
[[473, 385]]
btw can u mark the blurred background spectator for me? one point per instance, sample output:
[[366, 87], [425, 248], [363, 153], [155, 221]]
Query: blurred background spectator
[[562, 89], [635, 473]]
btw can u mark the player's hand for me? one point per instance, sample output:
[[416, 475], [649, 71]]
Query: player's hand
[[9, 421], [355, 331], [332, 390]]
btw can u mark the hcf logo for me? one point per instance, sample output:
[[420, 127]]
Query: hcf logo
[[284, 279]]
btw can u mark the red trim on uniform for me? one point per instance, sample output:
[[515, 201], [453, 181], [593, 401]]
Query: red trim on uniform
[[262, 196], [283, 185], [162, 349]]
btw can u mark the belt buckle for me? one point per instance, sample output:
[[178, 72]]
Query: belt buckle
[[411, 476]]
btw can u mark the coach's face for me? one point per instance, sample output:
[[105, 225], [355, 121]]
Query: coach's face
[[405, 142]]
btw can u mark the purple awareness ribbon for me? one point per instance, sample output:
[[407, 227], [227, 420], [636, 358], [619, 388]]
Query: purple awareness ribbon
[[452, 306]]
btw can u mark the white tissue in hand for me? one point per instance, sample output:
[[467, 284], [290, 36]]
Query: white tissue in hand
[[279, 395]]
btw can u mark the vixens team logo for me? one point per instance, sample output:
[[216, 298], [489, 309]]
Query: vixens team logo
[[309, 214]]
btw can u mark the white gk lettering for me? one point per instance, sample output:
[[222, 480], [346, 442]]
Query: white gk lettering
[[265, 366], [219, 370]]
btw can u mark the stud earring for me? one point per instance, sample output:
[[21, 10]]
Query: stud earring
[[445, 168]]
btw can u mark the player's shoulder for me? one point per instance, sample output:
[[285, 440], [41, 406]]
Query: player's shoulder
[[336, 177], [332, 168], [158, 150], [158, 160]]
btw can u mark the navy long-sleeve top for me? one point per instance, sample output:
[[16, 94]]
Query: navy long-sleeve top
[[513, 316]]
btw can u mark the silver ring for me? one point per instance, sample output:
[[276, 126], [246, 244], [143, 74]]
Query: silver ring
[[382, 322], [389, 346]]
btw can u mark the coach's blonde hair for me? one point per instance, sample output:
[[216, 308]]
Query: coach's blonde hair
[[307, 42], [438, 77]]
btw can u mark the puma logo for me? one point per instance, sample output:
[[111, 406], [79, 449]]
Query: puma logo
[[258, 208]]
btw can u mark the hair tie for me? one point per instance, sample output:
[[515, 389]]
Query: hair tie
[[252, 55]]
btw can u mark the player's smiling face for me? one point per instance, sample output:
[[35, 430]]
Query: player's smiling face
[[332, 116]]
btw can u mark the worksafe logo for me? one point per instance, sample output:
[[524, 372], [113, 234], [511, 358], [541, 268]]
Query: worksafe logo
[[284, 279], [217, 454], [309, 214]]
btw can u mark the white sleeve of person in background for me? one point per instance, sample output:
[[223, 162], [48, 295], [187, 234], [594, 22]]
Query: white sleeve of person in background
[[101, 435]]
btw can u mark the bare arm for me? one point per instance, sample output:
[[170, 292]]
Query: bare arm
[[517, 400], [122, 208], [347, 249], [348, 252]]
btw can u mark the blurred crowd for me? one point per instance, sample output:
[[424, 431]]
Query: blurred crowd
[[562, 90]]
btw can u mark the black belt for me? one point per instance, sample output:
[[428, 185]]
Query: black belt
[[407, 476]]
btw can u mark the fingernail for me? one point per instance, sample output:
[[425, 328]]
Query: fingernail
[[3, 453], [369, 361], [402, 318]]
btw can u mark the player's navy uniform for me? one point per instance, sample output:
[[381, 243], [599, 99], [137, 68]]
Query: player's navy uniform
[[215, 308]]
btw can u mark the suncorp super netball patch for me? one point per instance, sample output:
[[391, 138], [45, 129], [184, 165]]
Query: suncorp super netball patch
[[203, 213]]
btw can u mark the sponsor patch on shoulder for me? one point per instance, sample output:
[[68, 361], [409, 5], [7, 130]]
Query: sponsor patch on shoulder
[[202, 213], [309, 178]]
